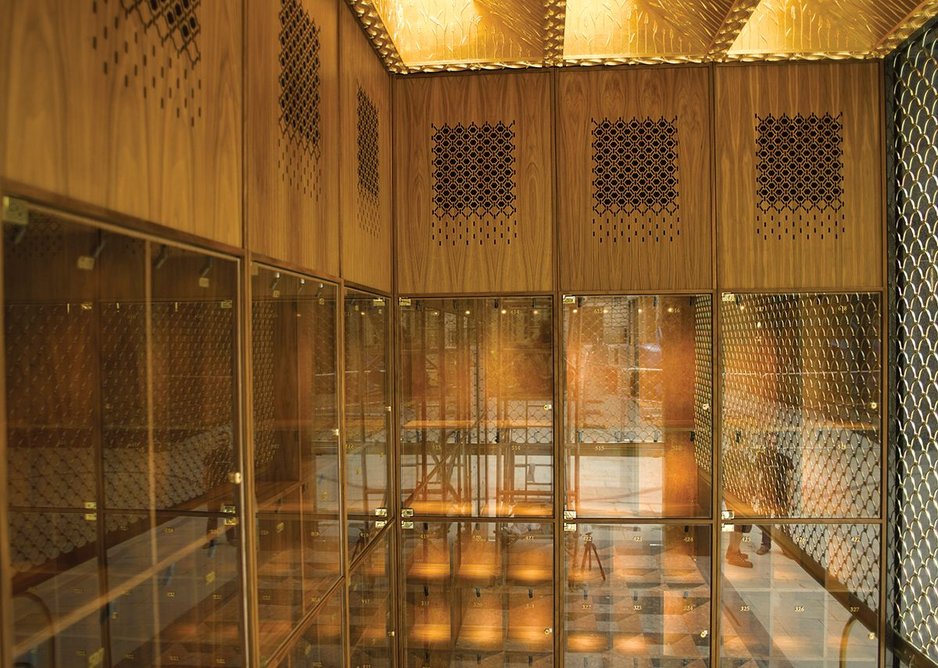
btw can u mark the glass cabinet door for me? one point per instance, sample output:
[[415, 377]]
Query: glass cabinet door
[[639, 593], [478, 593], [122, 386], [801, 414], [637, 419], [296, 464], [367, 416], [477, 407], [371, 610]]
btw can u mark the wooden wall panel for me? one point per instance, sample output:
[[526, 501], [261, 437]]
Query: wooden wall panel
[[365, 147], [830, 234], [122, 110], [481, 219], [633, 175], [292, 132]]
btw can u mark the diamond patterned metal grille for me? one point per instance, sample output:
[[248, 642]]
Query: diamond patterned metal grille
[[801, 419], [369, 183], [799, 177], [474, 184], [300, 99], [703, 384], [914, 512], [635, 180]]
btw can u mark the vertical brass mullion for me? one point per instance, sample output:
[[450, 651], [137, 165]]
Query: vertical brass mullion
[[151, 445], [716, 398], [343, 473], [250, 609], [557, 402], [6, 579], [886, 370]]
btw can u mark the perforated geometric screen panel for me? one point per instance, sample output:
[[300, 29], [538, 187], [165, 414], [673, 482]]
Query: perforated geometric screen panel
[[474, 184], [152, 46], [914, 512], [369, 153], [799, 177], [635, 184], [300, 98]]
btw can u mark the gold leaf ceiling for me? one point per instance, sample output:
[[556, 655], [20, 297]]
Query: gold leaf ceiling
[[438, 35]]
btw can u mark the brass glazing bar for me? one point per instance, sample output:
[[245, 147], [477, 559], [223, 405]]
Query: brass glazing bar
[[6, 594], [716, 399]]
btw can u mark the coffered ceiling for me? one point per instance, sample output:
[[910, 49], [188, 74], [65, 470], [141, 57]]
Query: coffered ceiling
[[438, 35]]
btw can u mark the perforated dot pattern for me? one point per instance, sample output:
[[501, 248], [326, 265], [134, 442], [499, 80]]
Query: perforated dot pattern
[[913, 513], [474, 184], [635, 180], [153, 46], [369, 184], [300, 99], [800, 177]]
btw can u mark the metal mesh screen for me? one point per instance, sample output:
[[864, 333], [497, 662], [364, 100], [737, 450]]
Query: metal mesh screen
[[913, 70], [801, 425]]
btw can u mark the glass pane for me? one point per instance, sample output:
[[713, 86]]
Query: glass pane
[[194, 367], [637, 406], [321, 644], [367, 414], [476, 407], [295, 447], [370, 608], [800, 594], [478, 593], [100, 577], [801, 416], [637, 593]]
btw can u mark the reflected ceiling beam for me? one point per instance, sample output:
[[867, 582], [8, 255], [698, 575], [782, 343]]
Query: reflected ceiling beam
[[733, 23], [923, 12]]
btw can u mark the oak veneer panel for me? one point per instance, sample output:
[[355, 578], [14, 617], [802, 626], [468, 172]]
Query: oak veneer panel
[[660, 132], [365, 147], [100, 108], [475, 253], [841, 250], [292, 132]]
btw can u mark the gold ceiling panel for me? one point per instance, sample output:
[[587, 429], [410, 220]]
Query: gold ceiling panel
[[437, 35], [642, 29], [818, 28], [440, 33]]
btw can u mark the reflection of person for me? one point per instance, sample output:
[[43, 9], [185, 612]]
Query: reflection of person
[[734, 555], [775, 469]]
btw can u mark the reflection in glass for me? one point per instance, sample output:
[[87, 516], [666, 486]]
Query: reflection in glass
[[801, 417], [321, 644], [637, 593], [121, 435], [637, 405], [295, 447], [478, 593], [367, 414], [476, 411], [370, 608], [800, 594]]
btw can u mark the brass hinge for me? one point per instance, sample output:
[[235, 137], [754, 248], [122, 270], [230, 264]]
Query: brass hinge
[[569, 299], [404, 301], [15, 211], [407, 512]]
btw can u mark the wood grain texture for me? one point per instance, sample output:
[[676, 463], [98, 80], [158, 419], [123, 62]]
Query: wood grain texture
[[438, 265], [366, 215], [747, 260], [292, 144], [590, 260], [98, 107]]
